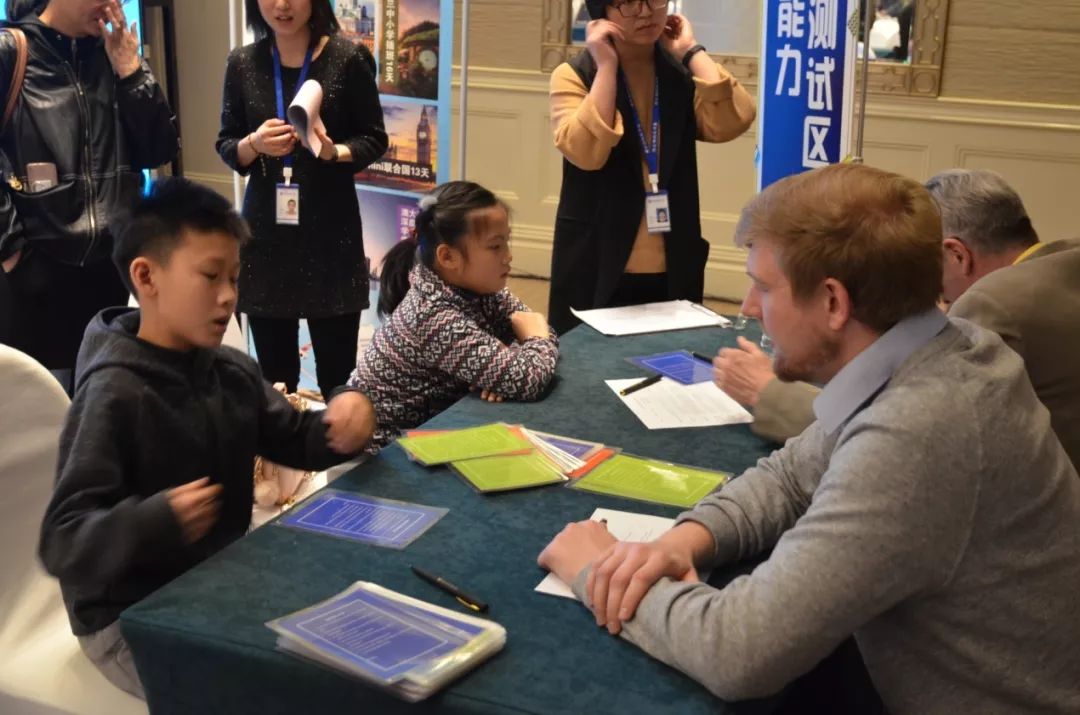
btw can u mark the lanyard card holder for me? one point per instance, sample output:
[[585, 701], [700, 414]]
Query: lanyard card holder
[[287, 202], [657, 206], [287, 195]]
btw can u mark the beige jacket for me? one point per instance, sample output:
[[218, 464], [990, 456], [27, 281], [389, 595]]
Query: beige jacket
[[724, 110]]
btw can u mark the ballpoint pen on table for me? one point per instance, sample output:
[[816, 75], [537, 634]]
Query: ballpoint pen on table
[[639, 385], [463, 598]]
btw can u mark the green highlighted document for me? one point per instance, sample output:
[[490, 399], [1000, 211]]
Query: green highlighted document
[[651, 480], [503, 473], [471, 443]]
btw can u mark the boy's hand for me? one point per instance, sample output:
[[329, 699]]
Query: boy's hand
[[196, 506], [349, 420], [527, 324]]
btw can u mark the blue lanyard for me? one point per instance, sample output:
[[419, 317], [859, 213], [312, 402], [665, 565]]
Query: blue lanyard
[[652, 150], [279, 88]]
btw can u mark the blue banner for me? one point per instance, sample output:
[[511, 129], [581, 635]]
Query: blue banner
[[806, 89]]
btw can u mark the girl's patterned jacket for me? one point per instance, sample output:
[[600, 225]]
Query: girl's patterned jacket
[[439, 344]]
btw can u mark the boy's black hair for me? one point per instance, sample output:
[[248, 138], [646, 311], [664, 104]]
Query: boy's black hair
[[322, 22], [155, 225]]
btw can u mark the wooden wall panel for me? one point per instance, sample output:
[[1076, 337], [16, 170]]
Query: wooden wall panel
[[1037, 149], [1012, 65], [1056, 15], [202, 33], [502, 33], [1013, 51]]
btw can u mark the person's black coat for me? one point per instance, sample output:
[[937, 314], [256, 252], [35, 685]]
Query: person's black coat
[[98, 130]]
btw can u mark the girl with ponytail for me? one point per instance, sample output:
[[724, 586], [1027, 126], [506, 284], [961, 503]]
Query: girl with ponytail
[[450, 325]]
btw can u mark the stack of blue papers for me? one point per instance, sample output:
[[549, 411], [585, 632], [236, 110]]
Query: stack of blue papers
[[406, 646]]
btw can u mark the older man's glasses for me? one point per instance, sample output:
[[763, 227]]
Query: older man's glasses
[[632, 8]]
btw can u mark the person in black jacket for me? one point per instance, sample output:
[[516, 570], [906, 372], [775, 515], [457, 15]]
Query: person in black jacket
[[158, 449], [308, 266], [91, 108]]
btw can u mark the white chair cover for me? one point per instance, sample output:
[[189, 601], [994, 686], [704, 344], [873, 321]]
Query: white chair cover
[[42, 668]]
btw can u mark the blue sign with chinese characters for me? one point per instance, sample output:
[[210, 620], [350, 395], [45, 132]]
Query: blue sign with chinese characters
[[805, 93]]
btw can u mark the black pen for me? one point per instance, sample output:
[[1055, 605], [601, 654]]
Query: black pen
[[699, 356], [463, 598], [639, 385]]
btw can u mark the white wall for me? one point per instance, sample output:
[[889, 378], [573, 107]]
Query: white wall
[[1036, 148], [202, 41], [1035, 145]]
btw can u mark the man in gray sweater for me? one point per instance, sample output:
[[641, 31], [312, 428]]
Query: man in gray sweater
[[929, 511], [997, 275]]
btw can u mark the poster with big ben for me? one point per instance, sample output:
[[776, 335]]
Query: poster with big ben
[[413, 58], [406, 40], [409, 163]]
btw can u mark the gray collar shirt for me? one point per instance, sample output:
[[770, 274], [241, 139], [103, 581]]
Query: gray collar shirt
[[930, 512]]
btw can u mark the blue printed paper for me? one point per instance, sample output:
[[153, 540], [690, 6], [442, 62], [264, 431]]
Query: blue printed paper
[[385, 638], [680, 366], [382, 522], [573, 447]]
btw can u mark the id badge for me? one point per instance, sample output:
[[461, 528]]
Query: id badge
[[658, 212], [288, 205]]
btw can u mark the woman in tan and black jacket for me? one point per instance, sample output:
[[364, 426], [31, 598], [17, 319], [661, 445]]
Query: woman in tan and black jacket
[[605, 252]]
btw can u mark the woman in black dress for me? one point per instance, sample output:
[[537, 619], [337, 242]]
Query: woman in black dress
[[307, 257]]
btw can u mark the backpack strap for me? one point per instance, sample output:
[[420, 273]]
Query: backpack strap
[[18, 74]]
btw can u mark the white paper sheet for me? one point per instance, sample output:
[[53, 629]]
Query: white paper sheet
[[303, 114], [624, 526], [669, 405], [651, 318]]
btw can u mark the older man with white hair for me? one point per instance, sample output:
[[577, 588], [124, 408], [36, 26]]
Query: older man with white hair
[[996, 274]]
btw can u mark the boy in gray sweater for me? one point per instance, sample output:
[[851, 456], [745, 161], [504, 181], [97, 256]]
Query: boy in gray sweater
[[929, 510]]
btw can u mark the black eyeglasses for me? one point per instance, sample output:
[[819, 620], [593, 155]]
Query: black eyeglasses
[[632, 8]]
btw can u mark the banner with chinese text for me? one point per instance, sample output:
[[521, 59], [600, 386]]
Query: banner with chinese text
[[806, 92]]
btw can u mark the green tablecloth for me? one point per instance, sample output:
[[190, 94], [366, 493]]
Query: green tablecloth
[[201, 646]]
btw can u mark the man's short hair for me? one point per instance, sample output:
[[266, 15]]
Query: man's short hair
[[155, 226], [982, 210], [877, 233]]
